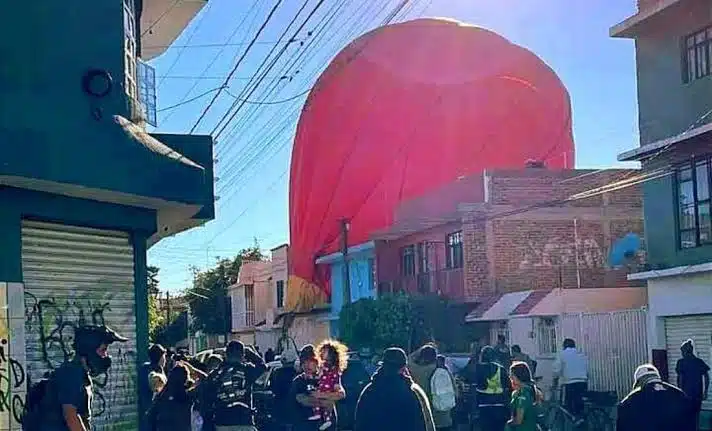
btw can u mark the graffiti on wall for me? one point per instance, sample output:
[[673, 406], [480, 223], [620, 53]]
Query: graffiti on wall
[[50, 324], [559, 252], [12, 379]]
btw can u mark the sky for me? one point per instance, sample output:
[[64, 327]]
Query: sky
[[253, 150]]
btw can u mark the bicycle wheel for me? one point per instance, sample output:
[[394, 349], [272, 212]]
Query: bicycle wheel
[[554, 419], [598, 420]]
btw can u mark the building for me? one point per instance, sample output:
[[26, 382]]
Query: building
[[85, 189], [245, 295], [361, 271], [674, 64], [422, 251], [510, 231], [528, 250]]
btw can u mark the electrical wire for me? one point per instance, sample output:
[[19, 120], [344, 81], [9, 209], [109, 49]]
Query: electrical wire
[[190, 38], [220, 52], [239, 61], [248, 163], [311, 14], [185, 102], [163, 15]]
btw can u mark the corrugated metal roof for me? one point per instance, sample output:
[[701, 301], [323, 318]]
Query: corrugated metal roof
[[500, 309]]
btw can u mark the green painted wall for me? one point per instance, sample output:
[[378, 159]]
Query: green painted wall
[[667, 106], [48, 125], [18, 204]]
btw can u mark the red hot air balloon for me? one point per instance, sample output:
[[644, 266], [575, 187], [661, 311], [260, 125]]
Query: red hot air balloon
[[403, 110]]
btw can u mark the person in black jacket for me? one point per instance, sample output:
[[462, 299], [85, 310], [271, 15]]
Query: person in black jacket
[[392, 401], [654, 405], [228, 399]]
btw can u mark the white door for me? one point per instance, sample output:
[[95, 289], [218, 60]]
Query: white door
[[679, 329], [74, 275]]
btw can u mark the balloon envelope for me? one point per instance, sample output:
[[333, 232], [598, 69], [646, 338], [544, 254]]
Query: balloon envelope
[[403, 110]]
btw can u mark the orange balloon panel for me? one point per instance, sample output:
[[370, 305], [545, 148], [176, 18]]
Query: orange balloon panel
[[405, 109]]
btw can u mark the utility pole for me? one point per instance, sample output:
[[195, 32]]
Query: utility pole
[[345, 251], [168, 307]]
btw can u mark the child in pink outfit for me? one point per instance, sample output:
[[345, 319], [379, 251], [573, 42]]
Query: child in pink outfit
[[334, 359]]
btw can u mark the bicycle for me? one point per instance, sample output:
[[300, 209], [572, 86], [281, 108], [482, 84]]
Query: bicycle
[[595, 415]]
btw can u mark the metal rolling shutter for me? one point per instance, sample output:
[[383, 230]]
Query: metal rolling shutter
[[679, 329], [74, 274]]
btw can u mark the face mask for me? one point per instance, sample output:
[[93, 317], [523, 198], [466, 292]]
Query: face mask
[[98, 365]]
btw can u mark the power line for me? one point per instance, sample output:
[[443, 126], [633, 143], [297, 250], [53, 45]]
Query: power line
[[190, 38], [239, 61], [311, 14], [214, 45], [278, 115], [217, 55], [185, 102], [163, 15]]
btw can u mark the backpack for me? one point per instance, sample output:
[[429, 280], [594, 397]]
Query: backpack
[[35, 404], [442, 390]]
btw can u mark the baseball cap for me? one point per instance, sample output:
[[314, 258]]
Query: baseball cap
[[645, 370], [307, 352]]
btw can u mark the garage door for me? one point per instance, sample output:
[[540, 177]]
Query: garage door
[[679, 329], [72, 276]]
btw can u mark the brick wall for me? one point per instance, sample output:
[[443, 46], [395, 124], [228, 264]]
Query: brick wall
[[475, 244], [565, 245]]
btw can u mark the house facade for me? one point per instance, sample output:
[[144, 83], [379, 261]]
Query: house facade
[[85, 189], [422, 251], [674, 64], [361, 276]]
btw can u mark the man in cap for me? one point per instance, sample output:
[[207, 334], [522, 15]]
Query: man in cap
[[69, 392], [302, 393], [693, 375], [654, 405], [392, 401]]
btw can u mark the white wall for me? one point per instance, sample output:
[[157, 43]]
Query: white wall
[[676, 296]]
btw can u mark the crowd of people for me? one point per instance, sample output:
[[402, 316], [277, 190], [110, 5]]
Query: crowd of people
[[415, 392]]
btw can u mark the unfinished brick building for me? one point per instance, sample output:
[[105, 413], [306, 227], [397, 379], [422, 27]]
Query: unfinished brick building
[[518, 232]]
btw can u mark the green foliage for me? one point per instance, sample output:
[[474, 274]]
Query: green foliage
[[174, 332], [404, 321], [155, 317], [208, 304]]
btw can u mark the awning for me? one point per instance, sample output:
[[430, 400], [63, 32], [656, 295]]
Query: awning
[[498, 307], [554, 302], [568, 301]]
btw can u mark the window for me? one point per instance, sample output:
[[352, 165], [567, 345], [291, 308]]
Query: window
[[146, 77], [697, 59], [249, 305], [280, 294], [423, 251], [130, 52], [453, 257], [546, 336], [693, 202], [408, 260]]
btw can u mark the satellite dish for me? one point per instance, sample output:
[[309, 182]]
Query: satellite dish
[[624, 251]]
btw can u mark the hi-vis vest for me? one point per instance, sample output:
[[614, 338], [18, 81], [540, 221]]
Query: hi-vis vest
[[494, 384]]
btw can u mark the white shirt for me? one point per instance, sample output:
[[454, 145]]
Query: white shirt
[[571, 366]]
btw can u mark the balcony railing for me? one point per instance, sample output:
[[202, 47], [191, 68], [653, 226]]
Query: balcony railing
[[446, 282], [244, 320]]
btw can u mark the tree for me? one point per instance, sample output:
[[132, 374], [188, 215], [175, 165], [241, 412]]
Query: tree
[[209, 299], [404, 321], [155, 318]]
